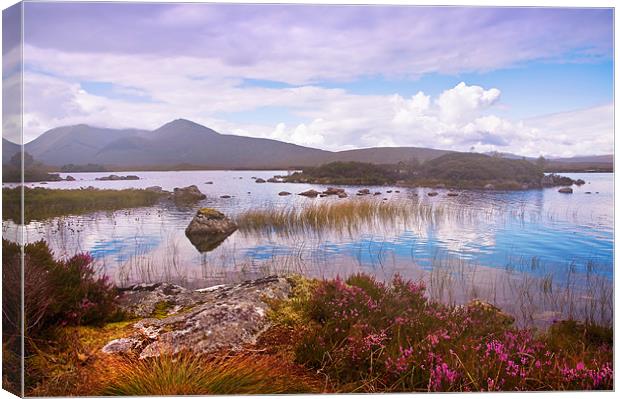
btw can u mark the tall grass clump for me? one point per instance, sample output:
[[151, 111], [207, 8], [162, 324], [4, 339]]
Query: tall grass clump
[[370, 336], [345, 215], [192, 374], [43, 203]]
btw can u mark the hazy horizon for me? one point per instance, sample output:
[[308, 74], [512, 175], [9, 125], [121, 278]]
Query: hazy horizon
[[528, 81]]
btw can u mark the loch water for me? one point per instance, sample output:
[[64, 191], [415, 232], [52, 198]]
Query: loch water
[[487, 235]]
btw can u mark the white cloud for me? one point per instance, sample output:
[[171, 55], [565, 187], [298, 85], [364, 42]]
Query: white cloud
[[457, 104]]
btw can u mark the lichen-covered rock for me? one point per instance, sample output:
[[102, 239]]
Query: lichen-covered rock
[[157, 300], [209, 228], [187, 194], [499, 315], [225, 317], [122, 345]]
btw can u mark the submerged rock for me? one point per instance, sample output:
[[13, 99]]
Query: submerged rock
[[188, 194], [225, 317], [283, 193], [453, 194], [209, 228], [433, 194], [310, 193]]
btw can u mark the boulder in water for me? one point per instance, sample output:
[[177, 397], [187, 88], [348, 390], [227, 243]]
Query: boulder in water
[[310, 193], [209, 228], [188, 194]]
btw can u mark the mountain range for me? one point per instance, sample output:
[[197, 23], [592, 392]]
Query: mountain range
[[183, 142]]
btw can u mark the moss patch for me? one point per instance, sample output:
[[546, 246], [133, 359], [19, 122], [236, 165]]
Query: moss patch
[[211, 213]]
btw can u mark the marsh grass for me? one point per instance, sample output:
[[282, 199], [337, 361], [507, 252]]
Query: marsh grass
[[43, 203], [348, 215], [192, 374]]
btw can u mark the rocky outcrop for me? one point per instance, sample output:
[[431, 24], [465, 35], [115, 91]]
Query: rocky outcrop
[[259, 180], [363, 191], [554, 180], [187, 194], [155, 189], [209, 228], [70, 178], [333, 191], [225, 317], [565, 190], [310, 193]]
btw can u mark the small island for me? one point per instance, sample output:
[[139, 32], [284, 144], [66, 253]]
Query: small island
[[454, 170]]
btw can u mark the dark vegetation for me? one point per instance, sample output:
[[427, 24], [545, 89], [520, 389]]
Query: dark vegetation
[[91, 167], [43, 203], [477, 170], [33, 171], [347, 173], [461, 170], [57, 294]]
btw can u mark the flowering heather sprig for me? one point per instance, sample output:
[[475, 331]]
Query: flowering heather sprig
[[394, 336]]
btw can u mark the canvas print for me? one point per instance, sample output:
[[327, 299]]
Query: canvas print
[[220, 198]]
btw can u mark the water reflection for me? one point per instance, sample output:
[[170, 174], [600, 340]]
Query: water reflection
[[483, 234]]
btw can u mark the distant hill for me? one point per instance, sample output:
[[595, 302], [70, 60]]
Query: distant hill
[[8, 150], [182, 142], [185, 144]]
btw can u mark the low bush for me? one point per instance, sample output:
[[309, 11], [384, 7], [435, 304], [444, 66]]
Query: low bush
[[58, 292], [375, 337]]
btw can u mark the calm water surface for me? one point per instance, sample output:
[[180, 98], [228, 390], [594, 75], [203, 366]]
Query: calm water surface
[[537, 232]]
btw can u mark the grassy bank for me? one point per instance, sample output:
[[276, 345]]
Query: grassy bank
[[42, 203]]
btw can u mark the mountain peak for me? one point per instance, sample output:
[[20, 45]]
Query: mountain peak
[[182, 123]]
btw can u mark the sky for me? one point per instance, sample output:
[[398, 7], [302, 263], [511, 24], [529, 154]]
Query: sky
[[531, 81]]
